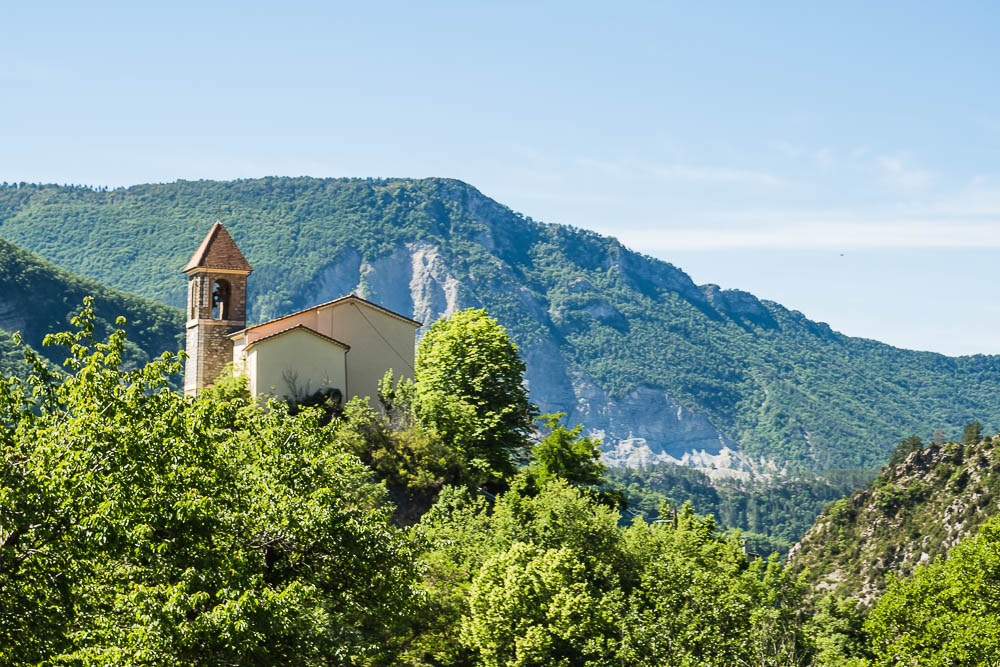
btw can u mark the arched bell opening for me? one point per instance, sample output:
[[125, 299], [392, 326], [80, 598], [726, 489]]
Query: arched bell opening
[[221, 296]]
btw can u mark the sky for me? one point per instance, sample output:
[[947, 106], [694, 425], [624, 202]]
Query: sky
[[842, 159]]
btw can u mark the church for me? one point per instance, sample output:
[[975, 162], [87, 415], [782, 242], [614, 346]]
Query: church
[[339, 349]]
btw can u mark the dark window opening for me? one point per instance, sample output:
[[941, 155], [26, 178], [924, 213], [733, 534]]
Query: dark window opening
[[220, 300]]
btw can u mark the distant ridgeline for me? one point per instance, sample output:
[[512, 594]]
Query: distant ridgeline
[[919, 507], [629, 346], [37, 298]]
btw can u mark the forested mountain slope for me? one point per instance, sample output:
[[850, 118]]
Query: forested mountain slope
[[772, 513], [659, 367], [37, 298], [915, 510]]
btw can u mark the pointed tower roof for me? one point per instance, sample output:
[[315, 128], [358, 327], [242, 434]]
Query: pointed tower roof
[[218, 251]]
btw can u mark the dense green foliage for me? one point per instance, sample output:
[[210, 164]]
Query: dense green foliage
[[567, 454], [35, 297], [137, 526], [948, 612], [551, 578], [780, 385], [771, 514]]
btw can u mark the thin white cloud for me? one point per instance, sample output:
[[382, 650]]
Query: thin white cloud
[[820, 235], [788, 149], [896, 172], [824, 158]]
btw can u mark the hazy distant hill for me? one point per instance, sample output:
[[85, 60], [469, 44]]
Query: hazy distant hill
[[37, 298], [914, 511], [663, 369]]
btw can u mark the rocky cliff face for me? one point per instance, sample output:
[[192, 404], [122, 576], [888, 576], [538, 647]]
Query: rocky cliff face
[[913, 512]]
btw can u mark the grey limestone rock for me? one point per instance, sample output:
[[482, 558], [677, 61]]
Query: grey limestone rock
[[645, 426]]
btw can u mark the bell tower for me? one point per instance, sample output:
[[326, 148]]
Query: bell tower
[[216, 307]]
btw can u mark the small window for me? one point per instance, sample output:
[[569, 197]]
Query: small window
[[220, 300], [193, 299]]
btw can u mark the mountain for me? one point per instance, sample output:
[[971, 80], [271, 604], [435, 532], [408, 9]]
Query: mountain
[[37, 298], [660, 368], [915, 510]]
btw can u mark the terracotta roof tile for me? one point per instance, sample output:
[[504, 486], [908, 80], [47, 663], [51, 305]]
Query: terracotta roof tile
[[218, 251], [348, 298], [330, 339]]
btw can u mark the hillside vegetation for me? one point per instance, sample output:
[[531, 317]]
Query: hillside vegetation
[[621, 342], [918, 508], [36, 298], [772, 514], [139, 525]]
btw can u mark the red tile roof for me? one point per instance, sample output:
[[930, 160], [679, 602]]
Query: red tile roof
[[304, 327], [344, 299], [218, 251]]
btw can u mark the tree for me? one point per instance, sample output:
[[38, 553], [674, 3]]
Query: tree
[[140, 526], [470, 381], [973, 433], [564, 453], [535, 606], [699, 602], [565, 537], [947, 612]]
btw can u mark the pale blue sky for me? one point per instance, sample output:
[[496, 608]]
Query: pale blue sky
[[842, 160]]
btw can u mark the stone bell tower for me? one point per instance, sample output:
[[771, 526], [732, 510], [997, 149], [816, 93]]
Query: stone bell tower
[[216, 307]]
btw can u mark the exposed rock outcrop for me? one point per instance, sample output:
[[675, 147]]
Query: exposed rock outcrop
[[645, 426]]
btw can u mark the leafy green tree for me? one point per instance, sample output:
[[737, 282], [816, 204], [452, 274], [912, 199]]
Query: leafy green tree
[[565, 453], [456, 539], [463, 537], [137, 526], [413, 461], [836, 627], [973, 433], [947, 612], [536, 606], [470, 384], [550, 577], [699, 602]]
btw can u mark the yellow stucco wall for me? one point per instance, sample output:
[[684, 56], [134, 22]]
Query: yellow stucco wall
[[378, 341], [295, 357]]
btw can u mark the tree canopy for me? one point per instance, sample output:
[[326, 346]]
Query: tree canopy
[[137, 525], [140, 526], [470, 381]]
